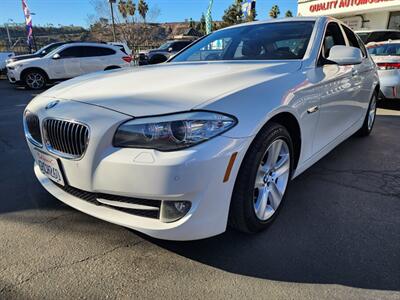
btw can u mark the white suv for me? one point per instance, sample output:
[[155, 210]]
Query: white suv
[[66, 62]]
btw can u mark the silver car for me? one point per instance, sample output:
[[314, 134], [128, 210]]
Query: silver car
[[387, 56]]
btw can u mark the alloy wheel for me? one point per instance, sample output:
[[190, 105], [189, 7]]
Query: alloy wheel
[[372, 113], [272, 179], [35, 80]]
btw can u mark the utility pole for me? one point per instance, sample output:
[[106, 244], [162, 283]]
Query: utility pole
[[112, 17], [8, 36]]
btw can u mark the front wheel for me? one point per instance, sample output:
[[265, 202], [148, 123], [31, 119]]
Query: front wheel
[[262, 180], [369, 120], [35, 80]]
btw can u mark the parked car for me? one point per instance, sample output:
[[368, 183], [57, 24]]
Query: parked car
[[180, 150], [66, 62], [368, 36], [40, 53], [387, 56], [162, 53], [3, 57]]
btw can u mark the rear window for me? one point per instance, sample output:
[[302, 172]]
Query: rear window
[[98, 51], [363, 36], [385, 50], [381, 36]]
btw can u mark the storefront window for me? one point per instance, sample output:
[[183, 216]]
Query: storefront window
[[394, 20]]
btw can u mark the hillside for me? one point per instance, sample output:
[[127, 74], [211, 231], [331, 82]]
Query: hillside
[[140, 35]]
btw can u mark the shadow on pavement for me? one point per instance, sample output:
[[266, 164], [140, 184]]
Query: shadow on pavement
[[340, 225]]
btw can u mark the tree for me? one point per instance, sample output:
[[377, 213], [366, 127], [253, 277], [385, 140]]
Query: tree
[[288, 14], [192, 24], [126, 8], [233, 14], [201, 26], [274, 12], [143, 8]]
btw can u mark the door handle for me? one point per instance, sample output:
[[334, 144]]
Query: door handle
[[312, 109]]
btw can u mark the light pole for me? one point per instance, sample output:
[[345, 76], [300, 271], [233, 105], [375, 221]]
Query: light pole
[[112, 17], [8, 33]]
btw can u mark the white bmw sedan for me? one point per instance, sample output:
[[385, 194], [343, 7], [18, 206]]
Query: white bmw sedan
[[210, 138]]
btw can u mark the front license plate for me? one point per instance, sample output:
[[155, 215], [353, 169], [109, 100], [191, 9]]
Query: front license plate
[[49, 167]]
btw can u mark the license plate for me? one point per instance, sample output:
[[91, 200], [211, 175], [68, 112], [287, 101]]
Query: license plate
[[49, 167]]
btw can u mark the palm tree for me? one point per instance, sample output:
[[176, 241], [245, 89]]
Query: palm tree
[[126, 8], [143, 8], [122, 8], [274, 12], [288, 14]]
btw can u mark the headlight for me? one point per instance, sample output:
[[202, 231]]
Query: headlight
[[172, 132], [14, 67]]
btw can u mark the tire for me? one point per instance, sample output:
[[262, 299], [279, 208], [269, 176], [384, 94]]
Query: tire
[[254, 180], [369, 120], [35, 80]]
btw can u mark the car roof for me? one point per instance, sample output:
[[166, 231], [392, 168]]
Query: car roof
[[376, 30], [67, 45], [285, 20], [88, 44]]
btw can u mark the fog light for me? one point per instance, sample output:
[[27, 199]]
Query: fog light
[[172, 211]]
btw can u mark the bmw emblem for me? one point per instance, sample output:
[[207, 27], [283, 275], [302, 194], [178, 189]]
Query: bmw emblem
[[52, 104]]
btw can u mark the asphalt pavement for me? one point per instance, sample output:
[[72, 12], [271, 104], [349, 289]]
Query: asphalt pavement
[[338, 236]]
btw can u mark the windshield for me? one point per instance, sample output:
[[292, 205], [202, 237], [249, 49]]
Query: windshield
[[165, 46], [269, 41], [385, 50], [47, 49]]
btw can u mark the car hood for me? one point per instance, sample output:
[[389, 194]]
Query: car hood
[[23, 62], [23, 57], [169, 87]]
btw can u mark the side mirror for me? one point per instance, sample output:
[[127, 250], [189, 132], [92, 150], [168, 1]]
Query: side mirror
[[56, 56], [170, 49], [345, 55]]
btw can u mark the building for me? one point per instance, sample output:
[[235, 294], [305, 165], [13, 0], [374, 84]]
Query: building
[[357, 14]]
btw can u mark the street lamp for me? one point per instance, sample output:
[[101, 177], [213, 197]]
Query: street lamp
[[112, 17], [8, 32]]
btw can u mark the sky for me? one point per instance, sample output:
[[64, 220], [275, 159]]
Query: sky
[[76, 12]]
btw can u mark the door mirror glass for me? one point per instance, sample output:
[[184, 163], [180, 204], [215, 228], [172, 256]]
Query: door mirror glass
[[56, 56], [345, 55]]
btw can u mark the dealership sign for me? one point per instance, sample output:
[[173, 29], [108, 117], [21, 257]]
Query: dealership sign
[[328, 7]]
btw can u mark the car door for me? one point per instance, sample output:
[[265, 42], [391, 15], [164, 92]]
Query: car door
[[335, 85], [362, 77], [67, 63], [97, 58]]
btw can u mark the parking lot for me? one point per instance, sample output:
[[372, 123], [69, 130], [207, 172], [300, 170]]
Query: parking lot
[[338, 235]]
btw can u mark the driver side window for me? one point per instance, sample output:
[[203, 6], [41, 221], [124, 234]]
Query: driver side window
[[333, 37], [72, 52]]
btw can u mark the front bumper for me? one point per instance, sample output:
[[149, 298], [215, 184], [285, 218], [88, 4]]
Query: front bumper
[[190, 177], [195, 174], [13, 76]]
